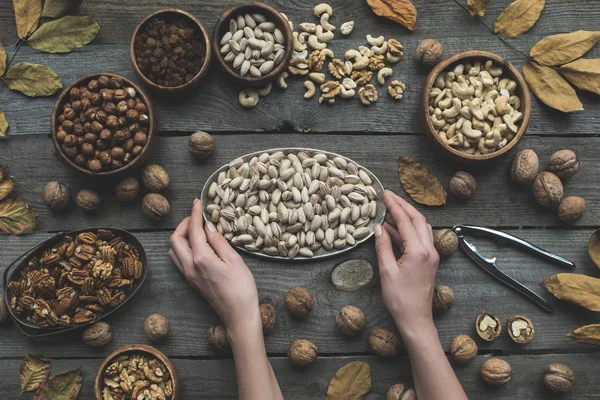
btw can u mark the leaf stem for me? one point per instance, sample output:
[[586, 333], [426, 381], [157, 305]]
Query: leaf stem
[[20, 42]]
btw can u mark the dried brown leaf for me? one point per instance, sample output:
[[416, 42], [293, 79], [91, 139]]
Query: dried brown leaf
[[16, 217], [477, 8], [401, 11], [351, 382], [59, 8], [34, 372], [518, 17], [588, 334], [594, 248], [27, 16], [3, 123], [65, 386], [2, 60], [6, 187], [420, 185], [557, 50], [32, 79], [3, 169], [584, 74], [579, 289], [551, 88]]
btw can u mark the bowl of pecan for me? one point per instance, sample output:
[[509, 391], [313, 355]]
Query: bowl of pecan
[[137, 371], [103, 125], [73, 280]]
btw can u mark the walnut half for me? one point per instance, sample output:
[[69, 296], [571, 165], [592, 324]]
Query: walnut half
[[488, 326], [520, 329]]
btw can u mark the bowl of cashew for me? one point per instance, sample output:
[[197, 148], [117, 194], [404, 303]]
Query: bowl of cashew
[[475, 106]]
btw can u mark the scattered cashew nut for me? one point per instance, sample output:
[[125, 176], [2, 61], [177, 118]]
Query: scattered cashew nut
[[323, 8], [310, 89], [379, 50], [248, 97], [384, 73], [324, 36], [318, 77], [347, 28], [378, 41], [281, 83], [314, 43], [265, 90], [308, 27], [325, 22]]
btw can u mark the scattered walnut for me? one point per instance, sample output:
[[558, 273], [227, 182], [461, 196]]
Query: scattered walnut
[[443, 299], [268, 316], [127, 189], [384, 343], [488, 326], [56, 196], [520, 329], [376, 62], [156, 327], [571, 209], [445, 242], [298, 66], [88, 200], [302, 353], [525, 167], [396, 89], [361, 77], [201, 145], [547, 189], [299, 302], [463, 185], [350, 320], [430, 52], [331, 89], [496, 371], [316, 60], [98, 334], [337, 68], [368, 94], [564, 164], [401, 392], [155, 178], [463, 349], [155, 206], [395, 48], [559, 378], [217, 338]]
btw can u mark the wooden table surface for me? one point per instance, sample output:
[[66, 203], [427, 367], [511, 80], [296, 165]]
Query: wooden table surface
[[375, 137]]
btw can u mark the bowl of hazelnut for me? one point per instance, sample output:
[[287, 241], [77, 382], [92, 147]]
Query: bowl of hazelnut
[[475, 106], [103, 125], [170, 51]]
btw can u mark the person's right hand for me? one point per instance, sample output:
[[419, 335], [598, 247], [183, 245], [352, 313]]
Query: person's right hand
[[407, 284]]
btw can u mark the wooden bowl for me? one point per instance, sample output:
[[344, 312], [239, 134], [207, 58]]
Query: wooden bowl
[[127, 168], [272, 15], [136, 348], [170, 14], [509, 70]]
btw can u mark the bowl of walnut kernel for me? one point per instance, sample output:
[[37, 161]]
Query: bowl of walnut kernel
[[137, 371]]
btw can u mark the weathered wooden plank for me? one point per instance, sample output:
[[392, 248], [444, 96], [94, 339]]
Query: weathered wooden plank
[[215, 379], [497, 201], [214, 107], [167, 292]]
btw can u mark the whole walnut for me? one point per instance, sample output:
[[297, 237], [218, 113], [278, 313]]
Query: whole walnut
[[3, 309], [445, 242], [443, 298], [350, 320], [463, 349], [56, 196], [302, 352], [525, 167], [155, 206], [268, 316], [98, 334], [430, 52], [155, 178], [571, 209], [156, 327], [496, 371], [559, 378], [299, 302], [547, 189], [217, 338], [88, 200], [463, 185], [127, 189], [384, 343], [401, 392], [201, 145], [564, 164]]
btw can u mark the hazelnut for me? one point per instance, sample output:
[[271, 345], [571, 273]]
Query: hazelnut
[[488, 326], [463, 349], [156, 327], [384, 343], [463, 185], [155, 206], [571, 209], [97, 335], [127, 189], [217, 338], [299, 302], [401, 392], [443, 299], [496, 371], [88, 200], [525, 167], [445, 242], [155, 178], [520, 329], [268, 316], [564, 164], [547, 189], [430, 52], [56, 196], [201, 145], [559, 378], [350, 320], [3, 309], [302, 353]]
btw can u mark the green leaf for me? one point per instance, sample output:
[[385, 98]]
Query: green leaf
[[32, 79], [3, 123], [63, 35], [16, 217], [2, 60], [34, 372], [27, 16], [59, 8], [65, 386]]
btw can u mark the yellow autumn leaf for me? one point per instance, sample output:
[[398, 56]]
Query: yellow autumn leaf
[[27, 16], [578, 289], [551, 88], [3, 123], [594, 248], [560, 49], [518, 17], [2, 60], [34, 372], [477, 8], [588, 334], [351, 382], [419, 184], [584, 74]]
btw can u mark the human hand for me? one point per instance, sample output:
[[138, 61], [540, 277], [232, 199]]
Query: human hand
[[407, 284], [214, 268]]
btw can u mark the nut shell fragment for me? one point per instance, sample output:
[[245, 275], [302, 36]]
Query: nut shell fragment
[[488, 326], [400, 392], [520, 329]]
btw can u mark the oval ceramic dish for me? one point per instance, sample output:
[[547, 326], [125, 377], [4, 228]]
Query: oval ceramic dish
[[10, 273], [320, 253]]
